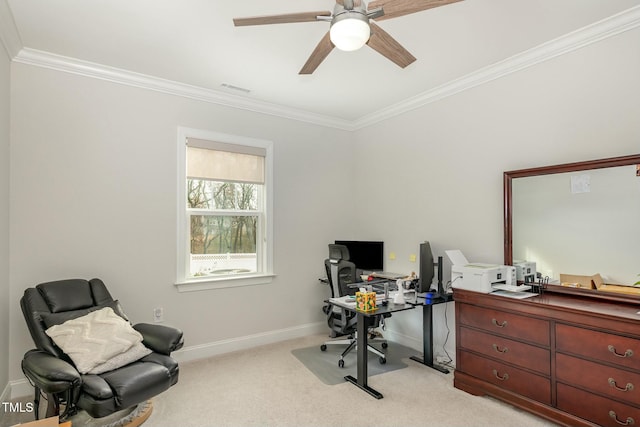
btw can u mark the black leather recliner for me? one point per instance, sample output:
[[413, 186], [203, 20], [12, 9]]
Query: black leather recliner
[[53, 373]]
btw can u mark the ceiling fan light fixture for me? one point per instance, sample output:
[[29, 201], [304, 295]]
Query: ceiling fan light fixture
[[350, 30]]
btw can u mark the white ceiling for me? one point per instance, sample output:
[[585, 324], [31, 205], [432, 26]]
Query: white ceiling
[[194, 42]]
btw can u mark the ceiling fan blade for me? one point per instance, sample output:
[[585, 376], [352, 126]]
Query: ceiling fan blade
[[280, 19], [318, 55], [395, 8], [387, 46]]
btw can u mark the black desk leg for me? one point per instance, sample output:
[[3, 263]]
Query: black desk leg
[[363, 358], [427, 340]]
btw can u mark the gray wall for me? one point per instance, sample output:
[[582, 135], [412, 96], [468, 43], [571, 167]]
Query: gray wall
[[93, 187], [440, 166], [4, 215]]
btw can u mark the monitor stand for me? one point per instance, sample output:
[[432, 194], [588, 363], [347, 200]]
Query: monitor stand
[[427, 324]]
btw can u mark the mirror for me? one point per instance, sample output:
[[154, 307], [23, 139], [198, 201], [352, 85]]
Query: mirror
[[579, 219]]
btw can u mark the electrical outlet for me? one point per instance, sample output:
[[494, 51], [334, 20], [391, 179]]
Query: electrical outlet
[[158, 314]]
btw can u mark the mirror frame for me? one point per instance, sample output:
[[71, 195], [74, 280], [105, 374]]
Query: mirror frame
[[561, 168]]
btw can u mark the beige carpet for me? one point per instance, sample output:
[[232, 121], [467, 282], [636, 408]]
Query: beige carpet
[[269, 386]]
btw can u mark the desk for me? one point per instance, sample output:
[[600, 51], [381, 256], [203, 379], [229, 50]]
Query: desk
[[364, 320], [427, 330]]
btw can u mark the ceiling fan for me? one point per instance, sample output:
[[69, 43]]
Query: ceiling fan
[[352, 27]]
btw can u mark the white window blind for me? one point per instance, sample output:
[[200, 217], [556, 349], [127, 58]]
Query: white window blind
[[218, 161]]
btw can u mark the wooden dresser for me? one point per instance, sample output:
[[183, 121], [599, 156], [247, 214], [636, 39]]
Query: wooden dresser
[[569, 359]]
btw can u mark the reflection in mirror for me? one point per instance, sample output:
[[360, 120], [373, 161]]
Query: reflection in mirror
[[578, 218], [579, 223]]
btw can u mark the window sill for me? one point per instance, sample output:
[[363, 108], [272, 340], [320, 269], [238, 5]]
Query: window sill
[[223, 282]]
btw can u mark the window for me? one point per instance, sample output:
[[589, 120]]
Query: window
[[224, 214]]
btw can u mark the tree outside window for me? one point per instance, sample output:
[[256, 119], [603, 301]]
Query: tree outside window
[[231, 229]]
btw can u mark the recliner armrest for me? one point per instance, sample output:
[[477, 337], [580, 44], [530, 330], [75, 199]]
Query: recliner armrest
[[159, 338], [49, 373]]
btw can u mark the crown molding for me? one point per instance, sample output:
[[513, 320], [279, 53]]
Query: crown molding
[[9, 36], [611, 26], [580, 38], [116, 75]]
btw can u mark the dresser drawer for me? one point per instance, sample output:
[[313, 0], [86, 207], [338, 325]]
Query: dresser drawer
[[615, 383], [599, 410], [506, 324], [506, 350], [516, 380], [601, 346]]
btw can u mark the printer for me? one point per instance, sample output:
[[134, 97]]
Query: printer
[[525, 271], [479, 277]]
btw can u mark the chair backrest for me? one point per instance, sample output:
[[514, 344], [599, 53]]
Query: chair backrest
[[340, 271], [52, 303]]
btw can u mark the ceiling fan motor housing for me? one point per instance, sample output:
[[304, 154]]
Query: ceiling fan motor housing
[[350, 29]]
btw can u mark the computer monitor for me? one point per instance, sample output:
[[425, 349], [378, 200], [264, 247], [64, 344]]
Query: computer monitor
[[366, 255], [427, 268]]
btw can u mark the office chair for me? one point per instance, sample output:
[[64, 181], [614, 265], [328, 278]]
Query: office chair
[[341, 273], [109, 389]]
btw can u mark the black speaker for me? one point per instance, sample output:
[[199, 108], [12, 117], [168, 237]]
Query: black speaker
[[427, 268]]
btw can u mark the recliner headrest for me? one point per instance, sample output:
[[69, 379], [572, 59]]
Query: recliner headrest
[[338, 253], [54, 302], [65, 295]]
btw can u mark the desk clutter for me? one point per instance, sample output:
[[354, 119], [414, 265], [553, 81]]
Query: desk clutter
[[366, 301], [356, 309], [521, 280], [504, 280], [596, 282]]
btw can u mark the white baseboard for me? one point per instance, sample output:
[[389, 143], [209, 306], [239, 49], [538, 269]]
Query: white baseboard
[[203, 351], [4, 397], [402, 339], [13, 390], [6, 394], [21, 388]]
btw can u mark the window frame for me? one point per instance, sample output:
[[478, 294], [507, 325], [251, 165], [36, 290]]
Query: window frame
[[264, 247]]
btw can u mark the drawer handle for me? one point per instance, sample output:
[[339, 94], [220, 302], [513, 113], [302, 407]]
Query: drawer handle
[[612, 383], [627, 353], [499, 325], [628, 422], [500, 350], [501, 378]]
